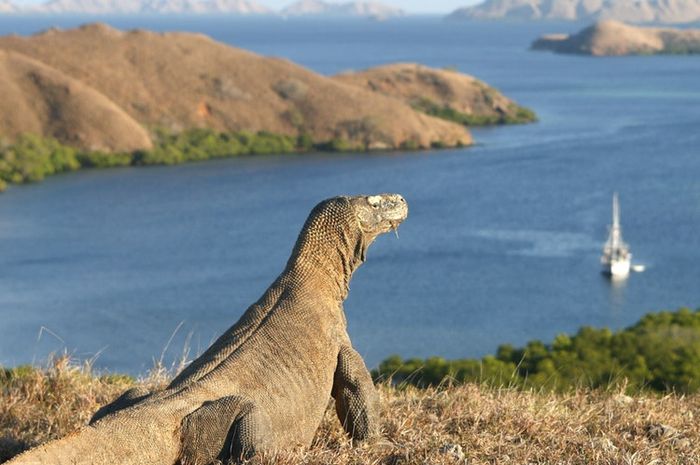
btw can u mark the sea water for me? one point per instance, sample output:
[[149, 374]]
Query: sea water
[[502, 244]]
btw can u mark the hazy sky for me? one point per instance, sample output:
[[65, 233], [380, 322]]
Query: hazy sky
[[412, 6]]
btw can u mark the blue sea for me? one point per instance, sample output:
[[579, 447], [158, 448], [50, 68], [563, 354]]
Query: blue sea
[[127, 266]]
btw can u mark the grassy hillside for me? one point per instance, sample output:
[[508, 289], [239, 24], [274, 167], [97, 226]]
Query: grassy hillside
[[468, 424], [179, 81], [443, 93]]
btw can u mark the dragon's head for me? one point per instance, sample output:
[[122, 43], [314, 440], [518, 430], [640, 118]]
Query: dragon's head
[[378, 214], [338, 232]]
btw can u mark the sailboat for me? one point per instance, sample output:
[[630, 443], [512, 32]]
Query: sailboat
[[616, 259]]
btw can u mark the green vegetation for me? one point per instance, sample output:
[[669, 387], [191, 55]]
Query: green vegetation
[[205, 144], [515, 114], [31, 158], [339, 145], [659, 353], [681, 48]]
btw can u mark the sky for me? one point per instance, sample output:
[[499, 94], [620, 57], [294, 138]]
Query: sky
[[411, 6]]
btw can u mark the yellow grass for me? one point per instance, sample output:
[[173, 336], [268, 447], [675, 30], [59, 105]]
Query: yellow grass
[[469, 424]]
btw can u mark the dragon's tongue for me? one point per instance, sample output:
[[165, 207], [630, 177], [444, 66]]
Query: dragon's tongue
[[395, 227]]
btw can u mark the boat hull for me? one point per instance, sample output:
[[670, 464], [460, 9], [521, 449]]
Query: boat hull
[[617, 268]]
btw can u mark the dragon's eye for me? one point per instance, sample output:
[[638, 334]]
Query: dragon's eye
[[374, 200]]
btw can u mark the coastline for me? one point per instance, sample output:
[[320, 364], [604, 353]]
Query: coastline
[[31, 158]]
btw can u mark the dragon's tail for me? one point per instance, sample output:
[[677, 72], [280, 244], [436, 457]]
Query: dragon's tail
[[79, 448], [104, 444]]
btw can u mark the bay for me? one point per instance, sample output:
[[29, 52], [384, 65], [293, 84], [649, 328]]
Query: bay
[[503, 239]]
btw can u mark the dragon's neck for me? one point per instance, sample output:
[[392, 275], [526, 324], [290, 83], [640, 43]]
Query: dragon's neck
[[329, 249]]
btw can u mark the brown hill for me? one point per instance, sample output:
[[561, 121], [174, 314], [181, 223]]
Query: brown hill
[[34, 98], [181, 80], [440, 92], [615, 38]]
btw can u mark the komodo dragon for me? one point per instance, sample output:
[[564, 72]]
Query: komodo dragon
[[264, 385]]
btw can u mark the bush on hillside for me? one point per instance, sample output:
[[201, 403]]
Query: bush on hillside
[[31, 158], [659, 353], [515, 115]]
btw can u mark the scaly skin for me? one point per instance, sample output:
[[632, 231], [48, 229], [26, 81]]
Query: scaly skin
[[264, 385]]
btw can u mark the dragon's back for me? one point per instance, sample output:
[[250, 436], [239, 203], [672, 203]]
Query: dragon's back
[[284, 365]]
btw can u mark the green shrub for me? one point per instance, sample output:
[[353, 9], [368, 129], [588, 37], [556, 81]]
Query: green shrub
[[31, 158], [338, 144], [305, 142], [116, 378], [18, 372], [98, 159], [516, 115], [265, 143], [410, 144], [660, 353], [160, 155]]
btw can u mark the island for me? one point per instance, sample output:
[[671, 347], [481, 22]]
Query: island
[[96, 96], [56, 83], [613, 38]]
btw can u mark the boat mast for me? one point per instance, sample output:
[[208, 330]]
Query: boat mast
[[616, 256], [615, 247], [615, 229]]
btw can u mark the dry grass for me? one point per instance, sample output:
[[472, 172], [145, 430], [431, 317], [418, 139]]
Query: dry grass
[[468, 424]]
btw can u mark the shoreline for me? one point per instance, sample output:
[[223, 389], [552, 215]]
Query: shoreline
[[32, 158]]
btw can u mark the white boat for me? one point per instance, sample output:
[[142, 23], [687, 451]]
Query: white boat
[[616, 259]]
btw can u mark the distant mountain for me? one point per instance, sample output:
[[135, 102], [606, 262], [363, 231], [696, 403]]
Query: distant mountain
[[89, 6], [612, 38], [7, 7], [635, 11], [243, 7], [357, 9]]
